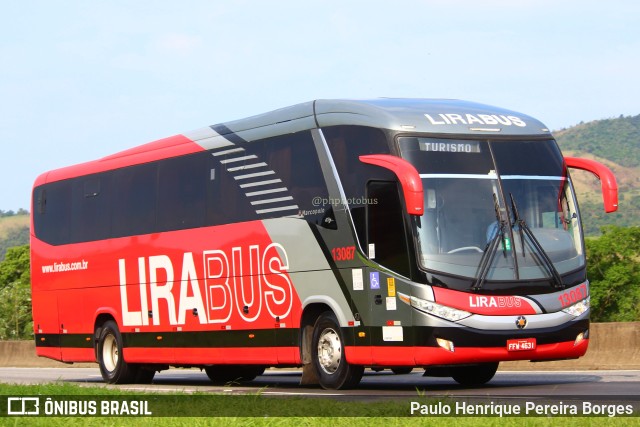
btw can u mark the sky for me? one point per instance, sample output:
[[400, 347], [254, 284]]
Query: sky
[[80, 79]]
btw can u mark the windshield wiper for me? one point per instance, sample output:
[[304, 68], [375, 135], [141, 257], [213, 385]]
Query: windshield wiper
[[523, 229], [490, 250]]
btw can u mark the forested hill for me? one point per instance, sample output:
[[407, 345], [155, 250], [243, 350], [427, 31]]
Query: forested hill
[[14, 230], [616, 143], [617, 140]]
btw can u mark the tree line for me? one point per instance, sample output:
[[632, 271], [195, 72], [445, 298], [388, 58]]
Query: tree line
[[613, 271], [12, 213]]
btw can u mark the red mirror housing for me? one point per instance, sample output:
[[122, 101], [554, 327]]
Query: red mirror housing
[[407, 175], [607, 179]]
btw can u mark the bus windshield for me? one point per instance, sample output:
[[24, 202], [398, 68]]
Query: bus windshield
[[508, 204]]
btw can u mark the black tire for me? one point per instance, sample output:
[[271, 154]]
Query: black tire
[[474, 375], [404, 370], [145, 376], [233, 373], [113, 367], [327, 355]]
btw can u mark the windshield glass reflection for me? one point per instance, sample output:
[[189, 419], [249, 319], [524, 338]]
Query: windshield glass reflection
[[467, 194]]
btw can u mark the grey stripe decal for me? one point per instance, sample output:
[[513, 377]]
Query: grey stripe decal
[[256, 184], [252, 166], [279, 199], [228, 134], [253, 175], [223, 152], [260, 193], [222, 141], [237, 159], [283, 208]]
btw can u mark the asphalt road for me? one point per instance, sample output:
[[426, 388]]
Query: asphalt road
[[623, 385]]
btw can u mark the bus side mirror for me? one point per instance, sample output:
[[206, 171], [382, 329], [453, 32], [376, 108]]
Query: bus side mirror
[[607, 180], [407, 175]]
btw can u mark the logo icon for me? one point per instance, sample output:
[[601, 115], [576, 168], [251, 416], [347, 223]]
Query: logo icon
[[521, 322], [23, 406]]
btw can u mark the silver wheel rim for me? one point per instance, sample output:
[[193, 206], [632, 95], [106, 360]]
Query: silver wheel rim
[[329, 351], [110, 353]]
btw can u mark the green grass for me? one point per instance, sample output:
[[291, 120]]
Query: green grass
[[376, 412]]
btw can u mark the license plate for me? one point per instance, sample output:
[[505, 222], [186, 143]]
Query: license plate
[[522, 344]]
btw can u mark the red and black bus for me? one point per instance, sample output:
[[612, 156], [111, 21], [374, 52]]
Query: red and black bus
[[334, 235]]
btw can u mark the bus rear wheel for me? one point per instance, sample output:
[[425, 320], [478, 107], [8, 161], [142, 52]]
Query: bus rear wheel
[[113, 367], [327, 355], [145, 376], [474, 375]]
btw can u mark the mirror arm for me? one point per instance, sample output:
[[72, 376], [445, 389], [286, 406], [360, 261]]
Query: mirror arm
[[604, 174], [407, 175]]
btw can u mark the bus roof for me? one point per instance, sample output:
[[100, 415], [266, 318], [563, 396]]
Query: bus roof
[[436, 116], [442, 116]]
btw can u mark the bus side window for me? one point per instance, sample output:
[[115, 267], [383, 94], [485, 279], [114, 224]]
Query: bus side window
[[90, 208], [347, 144], [182, 185], [52, 224], [226, 200], [292, 163], [134, 203], [385, 226]]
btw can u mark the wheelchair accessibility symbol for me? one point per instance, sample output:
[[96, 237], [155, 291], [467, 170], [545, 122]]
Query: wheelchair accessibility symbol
[[374, 280]]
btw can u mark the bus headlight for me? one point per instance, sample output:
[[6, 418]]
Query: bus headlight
[[448, 313], [578, 308]]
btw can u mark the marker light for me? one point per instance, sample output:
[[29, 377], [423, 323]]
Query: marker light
[[430, 307], [578, 308]]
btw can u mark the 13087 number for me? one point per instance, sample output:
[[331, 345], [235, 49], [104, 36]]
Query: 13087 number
[[346, 253], [573, 296]]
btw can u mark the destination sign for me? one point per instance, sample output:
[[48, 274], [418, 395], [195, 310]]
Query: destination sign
[[450, 146]]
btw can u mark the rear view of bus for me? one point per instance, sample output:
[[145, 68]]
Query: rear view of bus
[[334, 235]]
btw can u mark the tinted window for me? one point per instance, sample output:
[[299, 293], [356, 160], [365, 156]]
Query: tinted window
[[541, 158], [275, 177], [270, 178], [134, 200], [91, 208], [226, 203], [386, 226], [438, 156], [347, 144], [52, 221], [182, 184]]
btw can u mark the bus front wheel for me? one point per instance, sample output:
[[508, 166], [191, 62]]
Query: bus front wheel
[[474, 375], [334, 372]]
